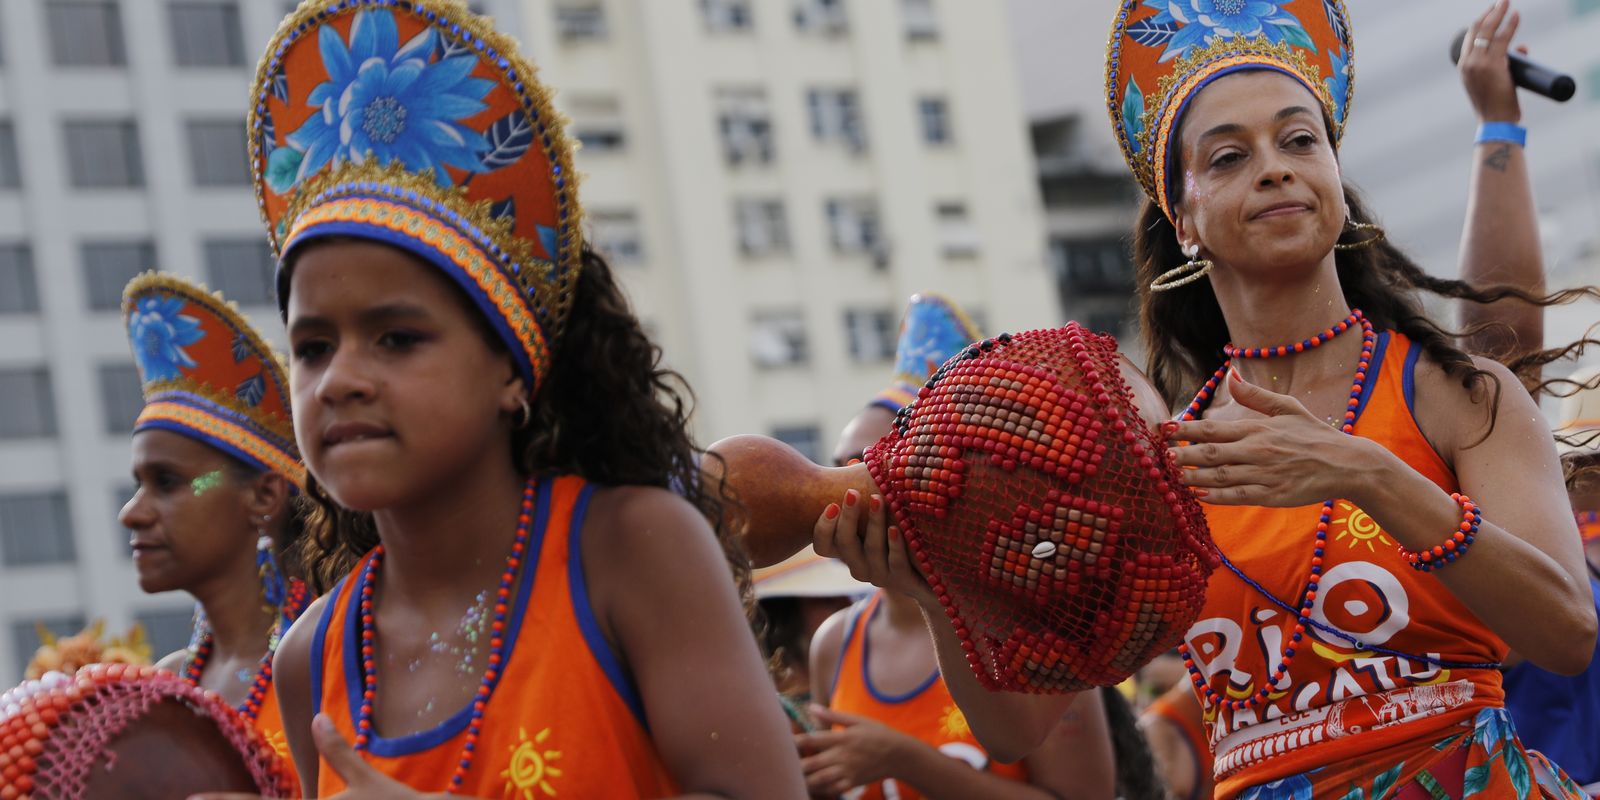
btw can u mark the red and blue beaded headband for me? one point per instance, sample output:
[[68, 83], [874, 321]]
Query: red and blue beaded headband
[[416, 124], [208, 375], [1163, 52]]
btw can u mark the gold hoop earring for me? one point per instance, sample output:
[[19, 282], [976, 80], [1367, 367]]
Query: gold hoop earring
[[524, 414], [1378, 235], [1194, 270]]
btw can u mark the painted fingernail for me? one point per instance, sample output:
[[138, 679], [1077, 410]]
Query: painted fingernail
[[1233, 372], [876, 504], [1198, 492], [832, 511], [1169, 427], [1172, 455], [851, 497], [894, 534]]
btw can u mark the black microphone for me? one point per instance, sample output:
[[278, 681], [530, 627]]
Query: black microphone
[[1536, 78]]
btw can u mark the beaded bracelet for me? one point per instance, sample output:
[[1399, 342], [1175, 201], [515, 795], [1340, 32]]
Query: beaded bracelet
[[1441, 554]]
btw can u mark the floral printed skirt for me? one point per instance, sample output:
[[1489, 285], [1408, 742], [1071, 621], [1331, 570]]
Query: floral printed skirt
[[1488, 762]]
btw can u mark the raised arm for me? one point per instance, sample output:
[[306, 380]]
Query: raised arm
[[1500, 243]]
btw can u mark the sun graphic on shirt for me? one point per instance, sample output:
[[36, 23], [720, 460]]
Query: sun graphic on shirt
[[1359, 527], [954, 724], [278, 742], [530, 767]]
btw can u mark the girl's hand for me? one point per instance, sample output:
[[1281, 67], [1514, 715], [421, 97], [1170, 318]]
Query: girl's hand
[[874, 551], [362, 780], [860, 752], [1286, 460], [1483, 69]]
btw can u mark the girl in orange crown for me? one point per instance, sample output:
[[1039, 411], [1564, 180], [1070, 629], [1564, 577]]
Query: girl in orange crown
[[541, 602], [217, 469]]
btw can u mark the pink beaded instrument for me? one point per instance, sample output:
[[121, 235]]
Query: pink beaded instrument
[[1030, 481], [120, 732]]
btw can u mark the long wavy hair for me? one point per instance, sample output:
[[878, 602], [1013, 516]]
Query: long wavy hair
[[608, 411], [1185, 331]]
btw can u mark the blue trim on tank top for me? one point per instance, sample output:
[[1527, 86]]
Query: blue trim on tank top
[[318, 647], [414, 743], [866, 674], [583, 612], [1408, 381]]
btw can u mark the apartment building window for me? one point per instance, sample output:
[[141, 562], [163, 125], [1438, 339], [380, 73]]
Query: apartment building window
[[763, 226], [1092, 267], [778, 339], [805, 438], [10, 169], [617, 235], [745, 123], [25, 639], [108, 266], [27, 406], [121, 397], [853, 224], [836, 117], [217, 153], [241, 269], [727, 16], [920, 20], [206, 34], [103, 154], [957, 237], [167, 630], [35, 528], [872, 334], [581, 20], [934, 114], [597, 123], [821, 16], [19, 292], [85, 33]]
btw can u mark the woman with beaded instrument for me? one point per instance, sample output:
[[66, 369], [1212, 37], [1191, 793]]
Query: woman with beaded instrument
[[539, 606], [216, 467], [1349, 646]]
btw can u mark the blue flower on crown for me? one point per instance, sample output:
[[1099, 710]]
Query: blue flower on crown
[[1339, 82], [931, 335], [1183, 24], [388, 100], [159, 331]]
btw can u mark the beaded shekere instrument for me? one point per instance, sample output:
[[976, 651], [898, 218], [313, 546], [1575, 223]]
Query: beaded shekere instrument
[[121, 732], [1030, 481]]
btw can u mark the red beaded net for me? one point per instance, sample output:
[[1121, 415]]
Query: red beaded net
[[1041, 507], [53, 732]]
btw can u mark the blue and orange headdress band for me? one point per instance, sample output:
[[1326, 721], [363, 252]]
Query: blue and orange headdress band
[[208, 375], [1163, 52], [933, 329], [416, 124]]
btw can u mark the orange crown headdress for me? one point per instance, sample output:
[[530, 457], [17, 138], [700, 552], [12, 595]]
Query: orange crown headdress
[[416, 124], [208, 375], [1163, 52]]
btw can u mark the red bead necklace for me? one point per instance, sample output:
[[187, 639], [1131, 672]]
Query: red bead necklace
[[1203, 399], [195, 665], [498, 644]]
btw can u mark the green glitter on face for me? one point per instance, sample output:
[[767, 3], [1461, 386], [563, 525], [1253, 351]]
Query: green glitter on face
[[206, 482]]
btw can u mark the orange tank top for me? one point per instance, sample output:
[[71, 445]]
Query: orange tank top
[[1193, 731], [1423, 662], [927, 712], [565, 720]]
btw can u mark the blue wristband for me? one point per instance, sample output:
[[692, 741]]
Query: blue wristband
[[1502, 132]]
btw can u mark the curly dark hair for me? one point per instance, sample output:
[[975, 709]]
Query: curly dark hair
[[1136, 767], [1185, 331], [608, 411]]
